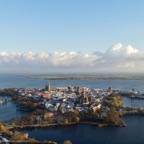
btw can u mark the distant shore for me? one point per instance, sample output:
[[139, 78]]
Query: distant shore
[[87, 76]]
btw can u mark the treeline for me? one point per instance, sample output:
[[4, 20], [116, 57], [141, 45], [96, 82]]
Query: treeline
[[114, 104], [9, 92], [15, 136]]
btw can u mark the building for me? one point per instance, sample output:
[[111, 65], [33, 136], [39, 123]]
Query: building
[[78, 90], [83, 98], [110, 90], [46, 95], [48, 88]]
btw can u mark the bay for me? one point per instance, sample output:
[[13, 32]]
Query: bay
[[91, 134]]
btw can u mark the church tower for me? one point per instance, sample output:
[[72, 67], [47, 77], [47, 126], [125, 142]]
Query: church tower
[[48, 88]]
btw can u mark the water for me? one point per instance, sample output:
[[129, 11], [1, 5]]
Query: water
[[7, 81], [85, 134], [9, 110], [133, 102], [90, 134]]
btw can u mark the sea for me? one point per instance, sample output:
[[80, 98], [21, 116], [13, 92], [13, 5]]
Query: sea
[[133, 133]]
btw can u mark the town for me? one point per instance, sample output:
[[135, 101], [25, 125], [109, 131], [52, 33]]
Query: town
[[51, 106]]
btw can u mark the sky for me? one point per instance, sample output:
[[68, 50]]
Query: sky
[[45, 36]]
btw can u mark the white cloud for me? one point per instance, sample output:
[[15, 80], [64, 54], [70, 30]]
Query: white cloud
[[116, 58], [118, 50], [119, 58], [130, 50]]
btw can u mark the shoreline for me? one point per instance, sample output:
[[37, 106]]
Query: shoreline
[[86, 76], [56, 124]]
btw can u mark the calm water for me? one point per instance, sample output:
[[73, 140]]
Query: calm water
[[133, 102], [85, 134], [90, 134], [7, 81], [9, 110]]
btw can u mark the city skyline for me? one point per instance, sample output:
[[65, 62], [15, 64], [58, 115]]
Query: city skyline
[[71, 36]]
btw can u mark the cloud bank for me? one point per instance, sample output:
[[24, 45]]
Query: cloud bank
[[115, 59]]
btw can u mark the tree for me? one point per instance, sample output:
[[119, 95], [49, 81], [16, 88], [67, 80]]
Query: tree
[[48, 115], [31, 119], [67, 142], [140, 109], [2, 127], [64, 121], [114, 102], [77, 119], [17, 136], [128, 108], [74, 116], [113, 117]]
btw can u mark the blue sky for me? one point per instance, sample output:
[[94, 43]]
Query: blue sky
[[70, 25], [71, 36]]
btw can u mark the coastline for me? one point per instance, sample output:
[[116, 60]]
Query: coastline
[[109, 76], [56, 124], [103, 124]]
